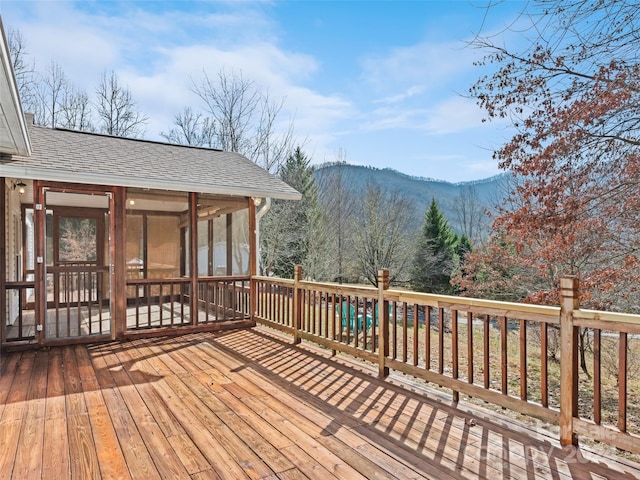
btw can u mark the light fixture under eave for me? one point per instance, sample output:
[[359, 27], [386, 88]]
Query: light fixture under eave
[[131, 202], [21, 186], [257, 201]]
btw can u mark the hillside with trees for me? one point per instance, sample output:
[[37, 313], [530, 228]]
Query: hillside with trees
[[463, 204], [353, 221]]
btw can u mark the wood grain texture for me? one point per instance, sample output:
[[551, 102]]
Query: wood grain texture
[[249, 404]]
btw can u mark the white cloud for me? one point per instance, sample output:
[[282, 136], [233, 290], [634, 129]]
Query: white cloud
[[418, 88], [158, 55], [453, 115], [423, 66], [404, 102], [169, 88], [408, 93]]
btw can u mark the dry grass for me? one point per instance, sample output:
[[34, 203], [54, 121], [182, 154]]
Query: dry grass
[[609, 371], [534, 355]]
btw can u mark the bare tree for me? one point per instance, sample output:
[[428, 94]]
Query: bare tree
[[76, 111], [244, 119], [50, 96], [77, 239], [191, 129], [50, 91], [572, 93], [23, 70], [382, 234], [318, 265], [338, 201], [59, 104], [116, 109], [470, 213]]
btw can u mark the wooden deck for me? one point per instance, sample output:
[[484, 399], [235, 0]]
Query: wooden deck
[[247, 404]]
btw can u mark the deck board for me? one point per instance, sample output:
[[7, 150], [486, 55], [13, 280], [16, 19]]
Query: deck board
[[248, 404], [30, 444]]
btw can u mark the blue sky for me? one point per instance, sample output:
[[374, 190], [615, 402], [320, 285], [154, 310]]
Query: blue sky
[[370, 82]]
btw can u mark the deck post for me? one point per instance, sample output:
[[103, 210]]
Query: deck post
[[3, 261], [40, 240], [569, 302], [193, 258], [383, 323], [253, 261], [297, 303], [118, 268]]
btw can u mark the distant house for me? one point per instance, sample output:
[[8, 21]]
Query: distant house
[[105, 237]]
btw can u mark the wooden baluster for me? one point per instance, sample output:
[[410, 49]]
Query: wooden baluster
[[544, 363], [427, 337], [454, 351], [503, 354], [486, 358], [416, 325], [470, 347], [523, 359], [597, 393], [622, 382], [441, 340]]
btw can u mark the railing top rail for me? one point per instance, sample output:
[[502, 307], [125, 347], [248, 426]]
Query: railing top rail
[[274, 280], [549, 314], [151, 281], [602, 316], [339, 288], [19, 285], [77, 268], [226, 278], [144, 281], [76, 263], [492, 307]]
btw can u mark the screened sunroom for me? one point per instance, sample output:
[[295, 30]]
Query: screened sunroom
[[109, 238]]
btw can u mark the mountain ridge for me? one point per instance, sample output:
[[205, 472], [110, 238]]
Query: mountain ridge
[[487, 192]]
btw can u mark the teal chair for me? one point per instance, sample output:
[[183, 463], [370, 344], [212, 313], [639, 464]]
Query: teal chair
[[375, 315], [349, 316]]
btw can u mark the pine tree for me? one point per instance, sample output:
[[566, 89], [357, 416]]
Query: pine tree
[[288, 227], [434, 259]]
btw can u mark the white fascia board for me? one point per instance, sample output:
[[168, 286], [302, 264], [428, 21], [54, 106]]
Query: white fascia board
[[11, 106], [31, 173]]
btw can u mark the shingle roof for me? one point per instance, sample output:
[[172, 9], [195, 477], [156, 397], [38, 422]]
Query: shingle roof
[[80, 157]]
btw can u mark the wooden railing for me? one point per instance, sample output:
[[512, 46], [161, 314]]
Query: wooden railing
[[517, 356], [77, 300], [613, 336], [166, 302], [157, 302], [17, 327], [222, 299], [275, 302]]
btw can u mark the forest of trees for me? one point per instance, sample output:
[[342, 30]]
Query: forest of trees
[[571, 91]]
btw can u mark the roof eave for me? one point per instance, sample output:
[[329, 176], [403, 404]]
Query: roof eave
[[12, 116], [30, 173]]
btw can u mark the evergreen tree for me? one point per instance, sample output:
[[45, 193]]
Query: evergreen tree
[[288, 228], [435, 254], [461, 247]]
